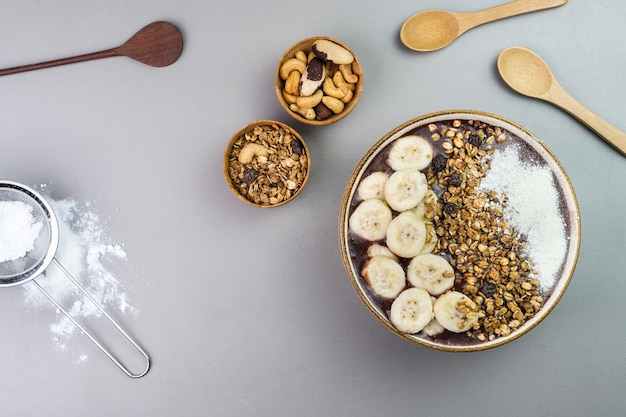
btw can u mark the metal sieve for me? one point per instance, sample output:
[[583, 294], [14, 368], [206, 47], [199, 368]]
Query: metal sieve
[[27, 268]]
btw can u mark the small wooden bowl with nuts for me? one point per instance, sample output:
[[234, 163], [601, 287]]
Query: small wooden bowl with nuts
[[319, 81], [266, 163]]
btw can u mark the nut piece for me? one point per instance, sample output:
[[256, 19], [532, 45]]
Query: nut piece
[[302, 57], [289, 98], [332, 90], [348, 75], [308, 102], [348, 96], [313, 77], [292, 64], [330, 51], [322, 112], [292, 85], [308, 114], [341, 82], [334, 104], [250, 150]]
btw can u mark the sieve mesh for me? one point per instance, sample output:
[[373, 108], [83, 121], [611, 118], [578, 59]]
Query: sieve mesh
[[17, 271]]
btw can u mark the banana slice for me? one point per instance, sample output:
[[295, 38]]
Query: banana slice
[[406, 235], [427, 205], [370, 219], [455, 311], [372, 186], [433, 328], [431, 240], [431, 273], [411, 311], [384, 275], [378, 249], [405, 189], [410, 152]]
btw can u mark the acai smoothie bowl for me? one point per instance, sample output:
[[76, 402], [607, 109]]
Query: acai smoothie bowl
[[459, 230]]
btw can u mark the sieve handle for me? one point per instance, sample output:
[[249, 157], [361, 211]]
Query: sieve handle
[[87, 333]]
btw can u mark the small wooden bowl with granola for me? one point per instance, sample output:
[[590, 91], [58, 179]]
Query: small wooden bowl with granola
[[266, 163]]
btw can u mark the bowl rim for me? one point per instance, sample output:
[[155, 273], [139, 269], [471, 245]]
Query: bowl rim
[[248, 127], [564, 182], [278, 83]]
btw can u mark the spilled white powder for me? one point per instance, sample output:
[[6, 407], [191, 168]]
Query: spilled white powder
[[18, 230], [88, 254], [532, 209]]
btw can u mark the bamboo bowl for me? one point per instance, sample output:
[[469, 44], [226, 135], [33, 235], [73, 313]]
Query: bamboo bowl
[[305, 46], [266, 164]]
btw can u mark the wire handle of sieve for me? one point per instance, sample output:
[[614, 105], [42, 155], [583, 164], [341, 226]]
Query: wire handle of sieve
[[87, 333]]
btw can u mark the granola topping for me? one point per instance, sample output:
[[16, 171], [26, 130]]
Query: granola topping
[[485, 251]]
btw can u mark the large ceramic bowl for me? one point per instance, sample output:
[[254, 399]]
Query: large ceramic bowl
[[506, 220]]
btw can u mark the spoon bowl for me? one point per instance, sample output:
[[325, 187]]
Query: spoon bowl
[[435, 29], [158, 44], [526, 73], [430, 30]]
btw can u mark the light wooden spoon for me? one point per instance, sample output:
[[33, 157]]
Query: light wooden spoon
[[434, 29], [527, 74], [158, 44]]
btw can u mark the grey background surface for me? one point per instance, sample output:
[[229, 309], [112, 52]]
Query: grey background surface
[[250, 312]]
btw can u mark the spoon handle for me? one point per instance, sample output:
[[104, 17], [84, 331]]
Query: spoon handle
[[64, 61], [516, 7], [612, 135]]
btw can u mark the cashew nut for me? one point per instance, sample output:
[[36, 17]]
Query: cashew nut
[[250, 150], [292, 85], [334, 104], [290, 65], [348, 75], [308, 114], [289, 98], [340, 82], [302, 57], [332, 90], [307, 102], [348, 96]]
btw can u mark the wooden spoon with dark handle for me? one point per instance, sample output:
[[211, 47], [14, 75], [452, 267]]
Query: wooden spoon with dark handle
[[158, 44]]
